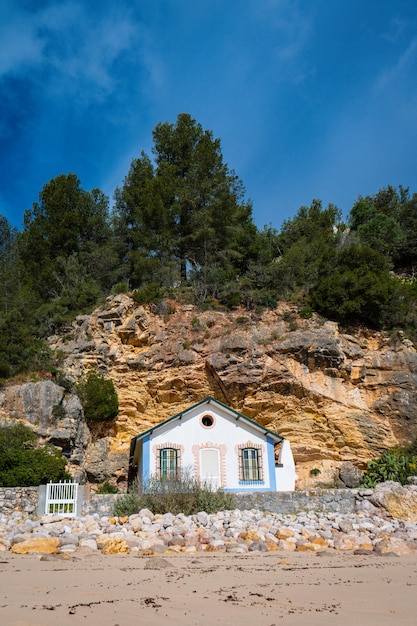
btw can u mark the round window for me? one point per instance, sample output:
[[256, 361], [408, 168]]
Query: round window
[[207, 421]]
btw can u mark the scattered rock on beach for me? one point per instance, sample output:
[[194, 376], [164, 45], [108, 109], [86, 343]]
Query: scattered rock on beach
[[37, 545], [370, 530]]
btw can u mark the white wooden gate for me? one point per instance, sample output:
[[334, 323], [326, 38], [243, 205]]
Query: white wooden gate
[[61, 499]]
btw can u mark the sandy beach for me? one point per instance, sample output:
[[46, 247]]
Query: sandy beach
[[265, 589]]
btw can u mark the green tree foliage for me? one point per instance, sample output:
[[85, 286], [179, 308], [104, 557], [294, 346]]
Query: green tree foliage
[[182, 228], [387, 221], [23, 463], [354, 285], [20, 349], [182, 213], [375, 219], [9, 266], [66, 246], [406, 252], [304, 241], [99, 397]]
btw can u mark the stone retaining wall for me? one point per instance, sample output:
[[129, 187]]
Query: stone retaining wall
[[343, 501], [18, 499], [103, 504], [285, 502]]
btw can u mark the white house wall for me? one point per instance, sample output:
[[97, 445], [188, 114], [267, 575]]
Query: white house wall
[[226, 434], [285, 472]]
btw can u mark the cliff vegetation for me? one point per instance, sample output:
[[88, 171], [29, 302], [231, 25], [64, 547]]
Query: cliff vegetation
[[309, 329]]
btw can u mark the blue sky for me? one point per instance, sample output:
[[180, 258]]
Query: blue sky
[[310, 98]]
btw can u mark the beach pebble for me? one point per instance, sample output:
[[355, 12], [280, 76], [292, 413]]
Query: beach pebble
[[232, 531]]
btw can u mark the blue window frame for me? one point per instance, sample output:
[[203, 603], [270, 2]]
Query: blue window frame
[[250, 464]]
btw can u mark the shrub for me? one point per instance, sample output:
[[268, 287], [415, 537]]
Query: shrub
[[65, 382], [150, 293], [186, 495], [195, 323], [4, 369], [306, 312], [99, 398], [58, 412], [23, 464], [396, 464], [107, 487], [122, 287], [127, 505]]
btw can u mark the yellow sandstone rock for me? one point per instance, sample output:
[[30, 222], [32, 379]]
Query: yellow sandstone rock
[[327, 411], [394, 545], [346, 542], [309, 547], [115, 546], [250, 535], [284, 533], [319, 541], [37, 545], [287, 545]]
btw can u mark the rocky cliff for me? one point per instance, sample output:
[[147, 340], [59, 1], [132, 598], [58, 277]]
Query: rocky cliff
[[336, 396]]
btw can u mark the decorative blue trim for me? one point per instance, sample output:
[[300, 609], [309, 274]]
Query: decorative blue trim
[[249, 483], [146, 458], [271, 463]]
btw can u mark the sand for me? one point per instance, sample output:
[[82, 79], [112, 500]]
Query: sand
[[261, 589]]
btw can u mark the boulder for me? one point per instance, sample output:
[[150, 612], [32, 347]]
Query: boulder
[[350, 475], [115, 546], [37, 545], [393, 545], [400, 502]]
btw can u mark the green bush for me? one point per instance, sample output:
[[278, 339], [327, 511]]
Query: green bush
[[98, 397], [306, 312], [122, 287], [186, 495], [23, 464], [58, 412], [150, 293], [127, 505], [396, 464], [195, 323], [107, 487]]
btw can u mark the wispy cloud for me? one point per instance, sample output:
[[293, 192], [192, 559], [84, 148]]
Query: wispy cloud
[[21, 47], [308, 98], [68, 46], [400, 69]]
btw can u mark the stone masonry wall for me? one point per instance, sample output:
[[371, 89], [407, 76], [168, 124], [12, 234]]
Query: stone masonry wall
[[18, 499], [285, 502], [102, 504], [343, 501]]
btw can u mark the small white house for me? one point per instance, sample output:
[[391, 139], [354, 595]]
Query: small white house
[[219, 446]]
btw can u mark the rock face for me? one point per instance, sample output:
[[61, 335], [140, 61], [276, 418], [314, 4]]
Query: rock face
[[36, 403], [335, 396]]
